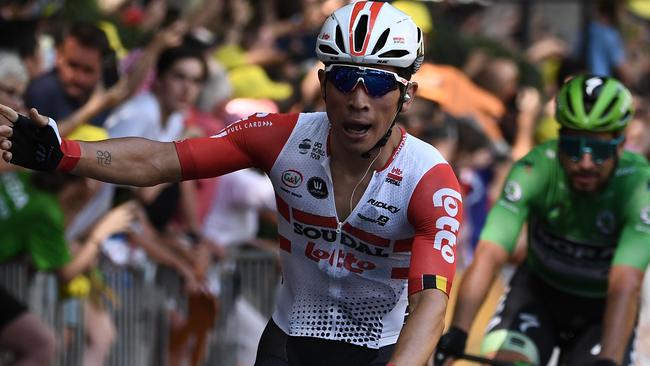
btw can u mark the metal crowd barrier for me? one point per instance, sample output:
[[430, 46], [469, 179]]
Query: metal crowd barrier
[[137, 317], [40, 292], [252, 275], [141, 316]]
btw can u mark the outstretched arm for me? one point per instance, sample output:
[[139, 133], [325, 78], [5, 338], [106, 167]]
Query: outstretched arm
[[132, 161], [255, 141]]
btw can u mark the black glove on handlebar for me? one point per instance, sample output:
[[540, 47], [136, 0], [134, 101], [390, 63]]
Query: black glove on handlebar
[[451, 344], [604, 362]]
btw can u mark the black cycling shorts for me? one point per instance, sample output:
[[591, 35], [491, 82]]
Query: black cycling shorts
[[276, 348], [550, 317], [10, 308]]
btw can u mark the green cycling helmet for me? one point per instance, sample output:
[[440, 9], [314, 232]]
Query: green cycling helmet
[[594, 103]]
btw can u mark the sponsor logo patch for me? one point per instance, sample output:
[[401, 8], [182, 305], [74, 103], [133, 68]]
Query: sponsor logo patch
[[331, 236], [338, 258], [381, 220], [395, 177], [512, 191], [242, 125], [305, 146], [606, 222], [645, 215], [291, 178], [317, 188], [445, 239], [317, 151]]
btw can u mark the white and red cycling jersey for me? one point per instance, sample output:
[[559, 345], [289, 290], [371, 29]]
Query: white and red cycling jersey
[[349, 279]]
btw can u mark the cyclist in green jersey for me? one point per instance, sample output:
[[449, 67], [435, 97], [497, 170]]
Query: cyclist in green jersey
[[587, 206]]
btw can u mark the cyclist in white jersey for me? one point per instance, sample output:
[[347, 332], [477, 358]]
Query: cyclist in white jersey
[[368, 215]]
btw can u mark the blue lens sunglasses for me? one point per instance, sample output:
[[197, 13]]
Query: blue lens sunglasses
[[377, 82], [601, 150]]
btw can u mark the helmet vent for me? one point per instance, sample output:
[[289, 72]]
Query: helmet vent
[[569, 107], [381, 42], [360, 33], [327, 49], [394, 54], [627, 115], [339, 40], [609, 107]]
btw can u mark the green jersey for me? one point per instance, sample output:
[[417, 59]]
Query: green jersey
[[31, 222], [574, 238]]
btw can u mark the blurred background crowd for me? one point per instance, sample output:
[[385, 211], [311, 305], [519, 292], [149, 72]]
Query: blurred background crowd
[[184, 273]]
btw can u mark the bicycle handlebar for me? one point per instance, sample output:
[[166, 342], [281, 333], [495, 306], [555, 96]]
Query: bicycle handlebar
[[487, 361]]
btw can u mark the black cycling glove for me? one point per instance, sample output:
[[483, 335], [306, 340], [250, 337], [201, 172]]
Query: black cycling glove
[[604, 362], [41, 148], [451, 344]]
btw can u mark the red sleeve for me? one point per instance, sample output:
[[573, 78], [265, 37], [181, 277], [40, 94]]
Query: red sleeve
[[255, 141], [435, 210]]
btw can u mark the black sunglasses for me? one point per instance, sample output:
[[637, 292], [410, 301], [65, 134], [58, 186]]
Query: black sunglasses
[[601, 150], [377, 82]]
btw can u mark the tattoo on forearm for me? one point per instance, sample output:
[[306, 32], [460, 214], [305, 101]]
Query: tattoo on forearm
[[104, 157]]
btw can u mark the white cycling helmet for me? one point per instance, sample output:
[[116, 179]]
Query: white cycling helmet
[[370, 33]]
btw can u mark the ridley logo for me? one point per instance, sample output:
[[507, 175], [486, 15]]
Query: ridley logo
[[345, 260], [390, 208], [448, 226], [292, 178]]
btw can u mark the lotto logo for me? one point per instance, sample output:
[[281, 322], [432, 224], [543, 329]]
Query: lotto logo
[[448, 226], [345, 260]]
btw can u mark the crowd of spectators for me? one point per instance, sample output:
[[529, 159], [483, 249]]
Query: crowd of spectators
[[167, 70]]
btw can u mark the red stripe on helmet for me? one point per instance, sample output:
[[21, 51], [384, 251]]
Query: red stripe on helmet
[[374, 12]]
